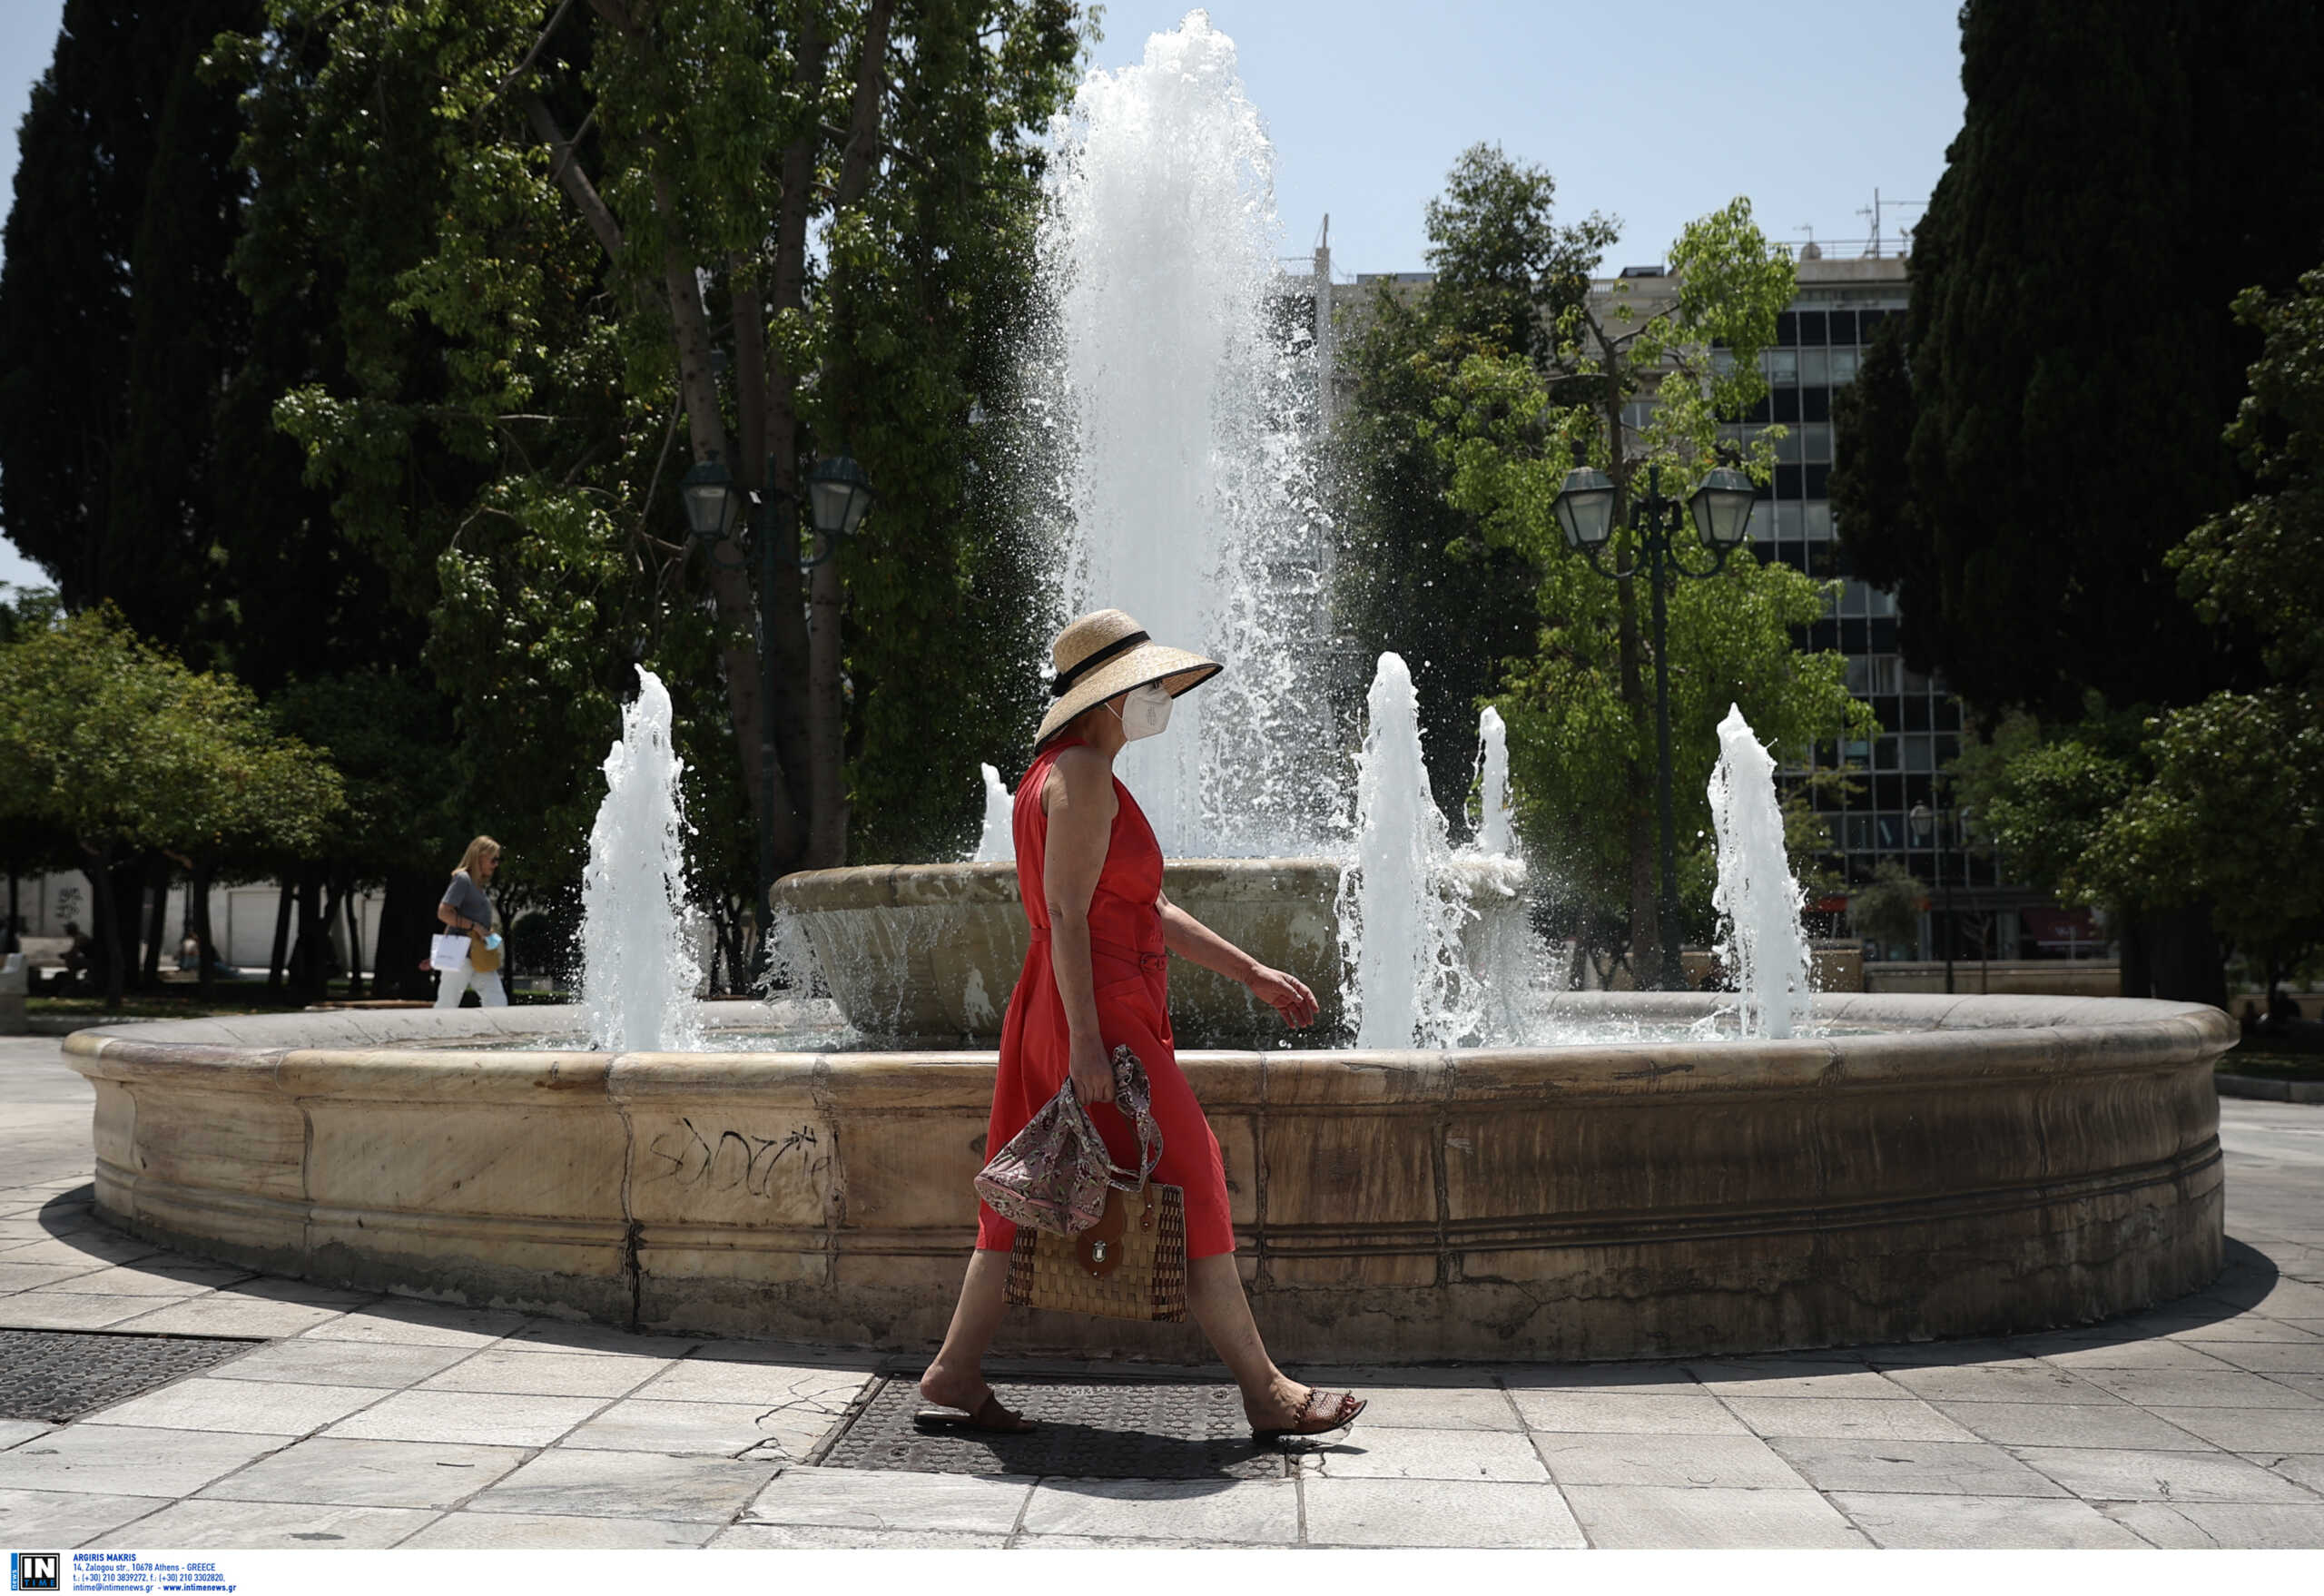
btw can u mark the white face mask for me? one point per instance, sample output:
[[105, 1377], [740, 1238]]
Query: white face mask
[[1144, 712]]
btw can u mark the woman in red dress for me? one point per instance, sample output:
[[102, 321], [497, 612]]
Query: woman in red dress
[[1096, 977]]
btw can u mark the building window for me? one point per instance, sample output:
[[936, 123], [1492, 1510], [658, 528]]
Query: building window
[[1815, 369], [1844, 365]]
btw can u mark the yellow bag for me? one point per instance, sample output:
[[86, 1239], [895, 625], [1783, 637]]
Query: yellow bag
[[1130, 1264], [481, 958]]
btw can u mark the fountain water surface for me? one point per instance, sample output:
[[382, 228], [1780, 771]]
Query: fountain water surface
[[638, 966]]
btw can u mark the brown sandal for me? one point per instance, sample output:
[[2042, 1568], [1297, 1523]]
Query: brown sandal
[[988, 1415], [1324, 1412]]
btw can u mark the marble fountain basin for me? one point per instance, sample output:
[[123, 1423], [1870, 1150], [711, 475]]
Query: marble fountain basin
[[1978, 1166], [929, 950]]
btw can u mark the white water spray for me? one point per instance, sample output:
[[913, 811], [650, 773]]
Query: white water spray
[[1400, 913], [998, 843], [638, 966], [1192, 469], [1758, 900], [1495, 834]]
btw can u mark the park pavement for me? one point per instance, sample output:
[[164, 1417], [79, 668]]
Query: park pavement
[[361, 1421]]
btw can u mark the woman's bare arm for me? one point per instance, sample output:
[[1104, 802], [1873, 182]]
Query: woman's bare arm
[[1192, 940], [1079, 798]]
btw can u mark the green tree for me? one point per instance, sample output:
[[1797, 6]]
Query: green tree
[[1887, 909], [118, 322], [2233, 813], [2122, 171], [1582, 732], [119, 746], [562, 234], [1416, 576]]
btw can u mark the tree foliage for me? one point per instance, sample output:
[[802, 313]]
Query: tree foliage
[[117, 744], [1416, 576], [1581, 732], [2123, 169], [575, 249]]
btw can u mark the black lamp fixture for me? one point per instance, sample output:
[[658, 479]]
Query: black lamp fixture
[[1721, 507], [714, 505], [1585, 507], [839, 496]]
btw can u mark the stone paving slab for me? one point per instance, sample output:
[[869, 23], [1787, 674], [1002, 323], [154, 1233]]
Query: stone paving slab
[[2113, 1425], [475, 1418], [127, 1461], [1942, 1468], [498, 1531], [1678, 1517], [2202, 1525], [340, 1363], [725, 1429], [368, 1474], [528, 1373], [1437, 1513], [1846, 1417], [1249, 1513], [627, 1484], [245, 1525], [1687, 1461], [1603, 1410], [1969, 1523], [2099, 1475], [68, 1518], [1389, 1453], [889, 1499], [243, 1406]]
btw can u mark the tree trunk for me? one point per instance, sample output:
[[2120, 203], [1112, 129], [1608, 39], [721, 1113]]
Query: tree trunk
[[205, 952], [157, 923], [275, 960], [107, 941], [308, 958], [2175, 955], [354, 948], [8, 933], [406, 920]]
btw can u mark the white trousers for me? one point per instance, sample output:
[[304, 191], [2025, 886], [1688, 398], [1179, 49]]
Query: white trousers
[[451, 983]]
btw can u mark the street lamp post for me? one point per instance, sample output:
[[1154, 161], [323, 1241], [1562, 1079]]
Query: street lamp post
[[1925, 823], [1721, 509], [839, 495]]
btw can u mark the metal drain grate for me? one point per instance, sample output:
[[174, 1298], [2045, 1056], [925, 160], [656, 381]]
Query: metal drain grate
[[56, 1375], [1095, 1431]]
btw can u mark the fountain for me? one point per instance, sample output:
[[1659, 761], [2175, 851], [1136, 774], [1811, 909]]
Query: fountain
[[1498, 1168], [638, 966], [1761, 942]]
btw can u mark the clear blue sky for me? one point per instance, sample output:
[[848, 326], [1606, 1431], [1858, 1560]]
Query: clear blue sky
[[1655, 112]]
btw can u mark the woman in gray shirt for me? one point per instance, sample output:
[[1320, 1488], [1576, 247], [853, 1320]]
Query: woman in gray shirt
[[466, 907]]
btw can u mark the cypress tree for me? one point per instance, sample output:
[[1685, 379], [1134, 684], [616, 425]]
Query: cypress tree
[[2123, 169]]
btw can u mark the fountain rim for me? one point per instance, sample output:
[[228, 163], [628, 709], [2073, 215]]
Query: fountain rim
[[864, 886], [356, 1052]]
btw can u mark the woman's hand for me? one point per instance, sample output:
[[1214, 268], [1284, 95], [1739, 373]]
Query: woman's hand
[[1283, 992], [1092, 1072]]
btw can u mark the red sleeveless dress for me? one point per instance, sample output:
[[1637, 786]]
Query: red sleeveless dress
[[1130, 971]]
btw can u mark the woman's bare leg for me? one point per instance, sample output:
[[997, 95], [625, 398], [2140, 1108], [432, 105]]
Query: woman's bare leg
[[1272, 1399], [956, 1379]]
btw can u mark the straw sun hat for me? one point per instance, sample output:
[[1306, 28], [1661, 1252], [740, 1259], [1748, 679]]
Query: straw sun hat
[[1105, 652]]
